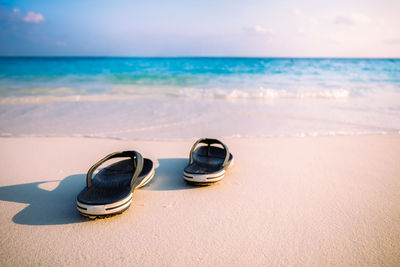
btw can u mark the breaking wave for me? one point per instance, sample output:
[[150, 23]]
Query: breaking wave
[[265, 93], [42, 95]]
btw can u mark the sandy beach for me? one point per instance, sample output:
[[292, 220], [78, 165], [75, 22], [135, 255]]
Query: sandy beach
[[305, 94], [311, 201]]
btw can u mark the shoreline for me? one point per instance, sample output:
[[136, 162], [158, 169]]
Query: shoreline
[[308, 135], [287, 201]]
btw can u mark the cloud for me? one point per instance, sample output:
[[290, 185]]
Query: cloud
[[260, 30], [351, 19], [17, 16], [23, 33], [33, 17]]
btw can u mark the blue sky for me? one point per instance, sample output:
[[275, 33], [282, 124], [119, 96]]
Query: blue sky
[[286, 28]]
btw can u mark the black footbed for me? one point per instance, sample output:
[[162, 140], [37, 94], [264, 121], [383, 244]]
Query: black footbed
[[207, 164], [112, 183]]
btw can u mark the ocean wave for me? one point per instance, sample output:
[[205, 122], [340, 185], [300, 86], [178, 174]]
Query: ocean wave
[[265, 93], [126, 92], [43, 95]]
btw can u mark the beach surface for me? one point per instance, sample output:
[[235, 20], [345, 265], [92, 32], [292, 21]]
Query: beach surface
[[304, 201]]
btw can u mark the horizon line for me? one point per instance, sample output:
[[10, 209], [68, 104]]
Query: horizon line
[[177, 57]]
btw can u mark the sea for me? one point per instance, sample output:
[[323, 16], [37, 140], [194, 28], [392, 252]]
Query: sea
[[187, 98]]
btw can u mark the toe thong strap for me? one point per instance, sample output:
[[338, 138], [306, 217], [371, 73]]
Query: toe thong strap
[[209, 142], [137, 162]]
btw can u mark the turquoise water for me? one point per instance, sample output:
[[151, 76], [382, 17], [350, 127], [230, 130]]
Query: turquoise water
[[178, 98], [97, 75]]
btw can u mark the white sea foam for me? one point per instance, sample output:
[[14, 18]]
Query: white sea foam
[[265, 93], [184, 115], [130, 92]]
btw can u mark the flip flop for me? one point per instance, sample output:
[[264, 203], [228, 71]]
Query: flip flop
[[110, 191], [207, 164]]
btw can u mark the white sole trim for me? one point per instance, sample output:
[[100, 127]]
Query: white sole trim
[[206, 178], [147, 179], [105, 209]]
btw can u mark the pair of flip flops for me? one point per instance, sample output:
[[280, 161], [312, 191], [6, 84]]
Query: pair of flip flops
[[110, 191]]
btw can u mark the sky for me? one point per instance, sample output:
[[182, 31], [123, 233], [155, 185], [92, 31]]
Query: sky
[[170, 28]]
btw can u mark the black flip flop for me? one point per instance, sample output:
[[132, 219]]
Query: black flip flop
[[110, 191], [207, 164]]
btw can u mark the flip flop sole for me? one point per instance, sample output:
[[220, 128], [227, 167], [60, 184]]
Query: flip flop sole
[[106, 210], [206, 179], [147, 179]]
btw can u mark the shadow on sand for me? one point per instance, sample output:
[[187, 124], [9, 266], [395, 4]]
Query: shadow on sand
[[169, 175], [46, 207], [58, 206]]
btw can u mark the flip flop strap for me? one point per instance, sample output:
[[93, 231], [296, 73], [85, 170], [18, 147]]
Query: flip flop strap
[[137, 162], [209, 142]]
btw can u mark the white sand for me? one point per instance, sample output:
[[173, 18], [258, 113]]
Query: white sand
[[287, 201]]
